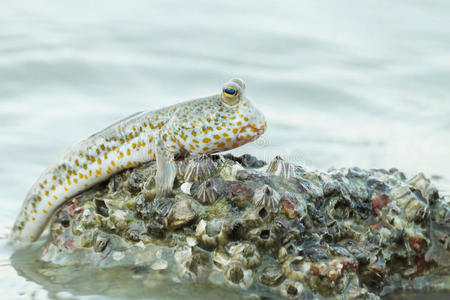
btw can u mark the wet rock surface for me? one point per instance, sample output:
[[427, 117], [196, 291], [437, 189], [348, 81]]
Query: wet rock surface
[[271, 230]]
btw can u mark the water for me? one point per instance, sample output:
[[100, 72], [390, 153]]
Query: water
[[342, 83]]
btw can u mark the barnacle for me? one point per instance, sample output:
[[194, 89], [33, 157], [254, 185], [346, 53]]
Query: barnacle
[[208, 192], [281, 168], [238, 276], [200, 169], [267, 197], [211, 234], [246, 253]]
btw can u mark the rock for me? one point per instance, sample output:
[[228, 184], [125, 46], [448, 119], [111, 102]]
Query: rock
[[279, 231]]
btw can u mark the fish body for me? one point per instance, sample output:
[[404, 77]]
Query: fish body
[[202, 126]]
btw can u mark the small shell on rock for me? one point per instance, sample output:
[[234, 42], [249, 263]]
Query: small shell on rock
[[230, 170], [281, 168], [211, 234], [181, 214], [426, 188], [296, 268], [271, 275], [142, 207], [292, 289], [119, 218], [191, 241], [101, 208], [246, 160], [161, 207], [200, 169], [100, 243], [287, 251], [247, 254], [156, 228], [237, 276], [135, 182], [186, 188], [415, 207], [263, 237], [268, 198], [208, 192], [193, 263], [220, 258]]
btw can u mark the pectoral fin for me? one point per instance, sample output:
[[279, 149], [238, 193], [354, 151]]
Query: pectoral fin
[[166, 169]]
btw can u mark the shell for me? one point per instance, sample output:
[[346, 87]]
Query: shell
[[292, 289], [220, 258], [101, 242], [263, 237], [211, 234], [296, 268], [281, 168], [208, 192], [428, 190], [237, 276], [272, 275], [186, 188], [193, 263], [181, 215], [268, 198], [247, 254], [200, 169], [287, 251], [251, 219], [230, 170], [414, 206]]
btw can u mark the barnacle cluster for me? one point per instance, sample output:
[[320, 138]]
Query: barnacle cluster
[[279, 230]]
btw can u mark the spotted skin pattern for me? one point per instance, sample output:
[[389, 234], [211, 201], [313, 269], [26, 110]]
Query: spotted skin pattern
[[197, 127]]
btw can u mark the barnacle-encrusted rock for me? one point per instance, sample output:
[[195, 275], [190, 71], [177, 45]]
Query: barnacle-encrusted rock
[[279, 231]]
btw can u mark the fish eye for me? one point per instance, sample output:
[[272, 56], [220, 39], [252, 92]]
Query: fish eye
[[230, 91]]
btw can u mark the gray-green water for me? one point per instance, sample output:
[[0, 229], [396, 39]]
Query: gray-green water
[[342, 83]]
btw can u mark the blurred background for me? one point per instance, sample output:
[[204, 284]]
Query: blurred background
[[342, 83]]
